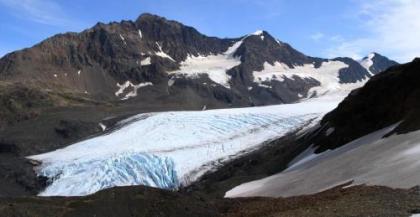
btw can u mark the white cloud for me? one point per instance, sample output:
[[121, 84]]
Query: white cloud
[[41, 11], [355, 49], [392, 27], [317, 36]]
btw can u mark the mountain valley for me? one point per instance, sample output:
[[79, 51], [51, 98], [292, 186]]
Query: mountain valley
[[153, 118]]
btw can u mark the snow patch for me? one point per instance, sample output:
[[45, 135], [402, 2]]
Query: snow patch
[[215, 66], [230, 52], [259, 33], [123, 39], [140, 34], [264, 85], [162, 54], [367, 62], [171, 81], [326, 74], [102, 126], [133, 93], [146, 61]]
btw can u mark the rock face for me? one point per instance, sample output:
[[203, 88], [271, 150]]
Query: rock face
[[352, 74], [157, 59], [386, 99]]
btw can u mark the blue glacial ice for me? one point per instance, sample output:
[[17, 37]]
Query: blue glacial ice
[[125, 169]]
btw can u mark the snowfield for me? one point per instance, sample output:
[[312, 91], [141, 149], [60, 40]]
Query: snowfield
[[214, 66], [170, 149], [368, 62], [371, 160], [326, 74]]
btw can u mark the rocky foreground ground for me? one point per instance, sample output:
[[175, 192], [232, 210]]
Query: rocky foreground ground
[[142, 201]]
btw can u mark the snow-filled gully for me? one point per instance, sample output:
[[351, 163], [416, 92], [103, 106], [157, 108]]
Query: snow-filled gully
[[170, 149]]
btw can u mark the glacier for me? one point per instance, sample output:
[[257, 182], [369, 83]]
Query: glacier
[[122, 169], [170, 149]]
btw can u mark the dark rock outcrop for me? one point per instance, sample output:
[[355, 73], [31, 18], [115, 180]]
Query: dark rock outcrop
[[387, 98]]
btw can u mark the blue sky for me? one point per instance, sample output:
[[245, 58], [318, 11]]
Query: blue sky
[[326, 28]]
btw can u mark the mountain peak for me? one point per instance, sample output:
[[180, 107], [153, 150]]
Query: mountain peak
[[149, 16], [153, 19], [371, 55], [258, 32], [376, 63], [263, 35], [375, 55]]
